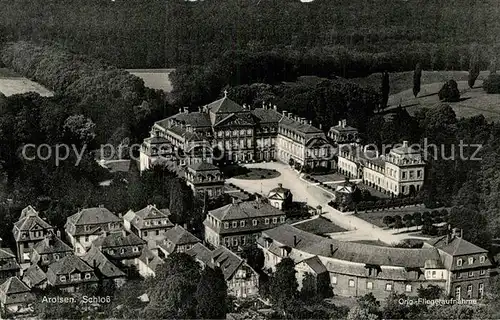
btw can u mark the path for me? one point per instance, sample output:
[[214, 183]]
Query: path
[[303, 190]]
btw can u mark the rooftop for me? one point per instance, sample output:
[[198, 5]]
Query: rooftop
[[179, 236], [118, 239], [244, 210], [95, 258], [91, 216], [292, 237], [51, 244], [203, 166]]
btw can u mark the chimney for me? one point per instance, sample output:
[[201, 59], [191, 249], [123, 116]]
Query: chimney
[[200, 109], [310, 122], [264, 105], [124, 233], [101, 206], [295, 241], [186, 110], [120, 215], [344, 123], [180, 110], [275, 108], [320, 126], [332, 249], [148, 260], [405, 144], [340, 123], [284, 113], [280, 185], [185, 226], [58, 233], [94, 263]]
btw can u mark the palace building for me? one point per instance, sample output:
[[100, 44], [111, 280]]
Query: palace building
[[401, 171], [355, 269], [224, 132]]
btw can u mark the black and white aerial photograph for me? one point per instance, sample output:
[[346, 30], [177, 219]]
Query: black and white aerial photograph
[[250, 159]]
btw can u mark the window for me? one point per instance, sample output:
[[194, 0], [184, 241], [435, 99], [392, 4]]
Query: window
[[469, 291], [242, 223], [76, 277], [87, 276], [122, 251], [62, 278], [457, 293], [45, 257], [482, 272], [471, 260], [145, 233], [266, 221], [419, 173], [275, 220], [111, 251], [434, 273], [459, 262], [135, 249], [481, 290], [282, 219], [235, 224], [388, 287], [56, 256], [86, 238], [471, 274], [351, 283], [333, 279], [459, 275], [254, 222], [249, 131], [408, 288], [226, 225], [404, 174], [369, 285], [148, 223], [482, 259]]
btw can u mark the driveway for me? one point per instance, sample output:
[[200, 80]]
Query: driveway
[[304, 191]]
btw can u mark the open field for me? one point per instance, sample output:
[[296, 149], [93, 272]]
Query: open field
[[154, 78], [473, 101], [12, 83]]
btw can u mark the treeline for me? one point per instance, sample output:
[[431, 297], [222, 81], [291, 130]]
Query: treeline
[[111, 97], [148, 34]]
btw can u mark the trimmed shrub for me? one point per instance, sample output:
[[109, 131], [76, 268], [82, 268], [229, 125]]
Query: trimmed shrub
[[492, 84], [449, 92]]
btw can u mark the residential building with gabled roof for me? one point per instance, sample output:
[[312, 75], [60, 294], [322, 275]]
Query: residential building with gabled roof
[[241, 279], [103, 268], [87, 225], [469, 265], [121, 248], [240, 223], [35, 277], [28, 231], [49, 250], [205, 178], [354, 269], [177, 239], [8, 264], [280, 197], [147, 263], [16, 298], [70, 273], [148, 223]]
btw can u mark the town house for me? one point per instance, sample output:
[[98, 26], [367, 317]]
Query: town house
[[15, 298], [86, 225], [240, 223], [8, 264], [176, 239], [28, 231], [49, 250], [122, 248], [149, 223], [70, 273]]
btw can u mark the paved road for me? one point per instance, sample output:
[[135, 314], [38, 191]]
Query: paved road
[[304, 191]]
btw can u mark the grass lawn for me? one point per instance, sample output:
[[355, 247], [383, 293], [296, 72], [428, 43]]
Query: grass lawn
[[328, 177], [154, 78], [11, 83], [258, 174], [473, 102]]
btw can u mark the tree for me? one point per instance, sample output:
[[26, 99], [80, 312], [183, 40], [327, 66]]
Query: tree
[[449, 92], [430, 292], [79, 129], [388, 220], [473, 70], [358, 313], [417, 78], [408, 220], [253, 256], [174, 292], [211, 295], [283, 288], [370, 303], [393, 308], [492, 84], [493, 66], [385, 89], [474, 225]]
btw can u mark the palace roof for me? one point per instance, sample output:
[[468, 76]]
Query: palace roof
[[294, 238]]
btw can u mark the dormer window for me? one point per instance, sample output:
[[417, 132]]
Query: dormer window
[[275, 220], [459, 262], [254, 222], [235, 224], [242, 223], [482, 259], [226, 225], [111, 251], [266, 221], [76, 277], [471, 260], [148, 223], [87, 276], [135, 249], [122, 251], [62, 278], [282, 219], [56, 256]]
